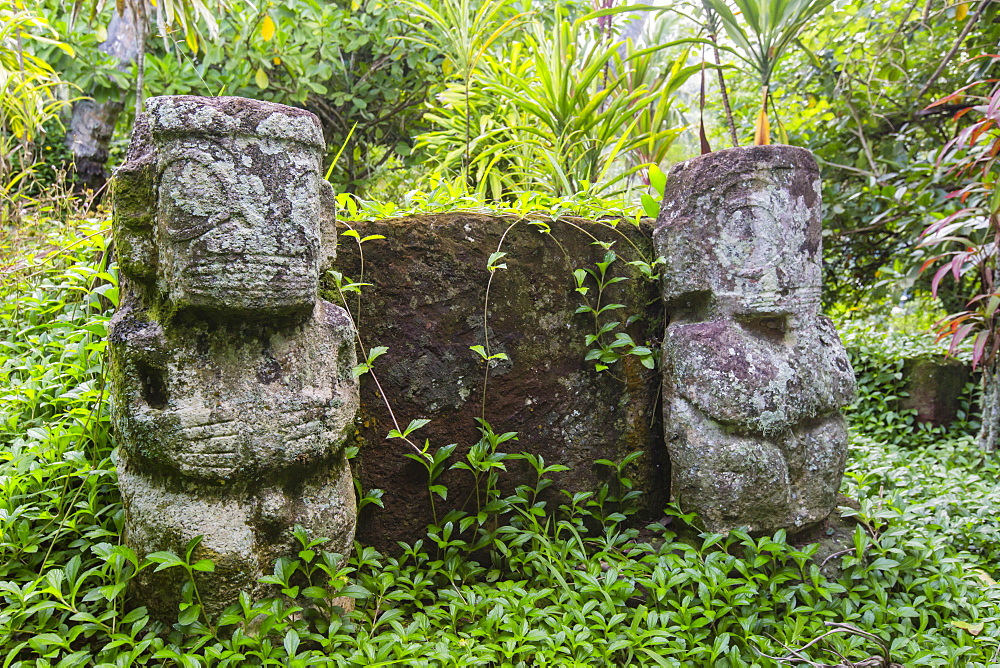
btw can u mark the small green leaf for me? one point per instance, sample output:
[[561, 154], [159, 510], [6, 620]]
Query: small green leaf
[[491, 263], [415, 425], [649, 206], [315, 592], [291, 642], [204, 565], [260, 78], [657, 180], [189, 615], [165, 560], [354, 591], [135, 615]]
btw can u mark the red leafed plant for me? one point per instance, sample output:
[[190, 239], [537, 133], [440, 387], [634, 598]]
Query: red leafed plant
[[968, 240], [969, 237]]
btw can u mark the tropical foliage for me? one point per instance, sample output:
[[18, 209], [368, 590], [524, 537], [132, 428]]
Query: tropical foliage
[[28, 99], [341, 61], [543, 583], [970, 237], [771, 27]]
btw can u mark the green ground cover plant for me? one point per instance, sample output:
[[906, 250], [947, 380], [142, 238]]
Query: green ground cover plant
[[879, 360], [517, 583]]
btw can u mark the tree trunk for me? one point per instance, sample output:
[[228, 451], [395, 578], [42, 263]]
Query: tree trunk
[[93, 123], [989, 435]]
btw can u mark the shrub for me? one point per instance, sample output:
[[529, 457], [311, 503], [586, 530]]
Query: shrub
[[879, 358]]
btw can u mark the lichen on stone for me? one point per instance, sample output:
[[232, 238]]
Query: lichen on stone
[[232, 392], [754, 375]]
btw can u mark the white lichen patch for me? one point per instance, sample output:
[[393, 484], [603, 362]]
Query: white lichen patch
[[303, 129]]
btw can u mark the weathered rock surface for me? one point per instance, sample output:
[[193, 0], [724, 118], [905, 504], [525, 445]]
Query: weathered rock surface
[[426, 305], [935, 387], [754, 377], [232, 392], [989, 434]]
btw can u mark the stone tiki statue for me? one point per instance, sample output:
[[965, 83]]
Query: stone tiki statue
[[754, 375], [232, 391]]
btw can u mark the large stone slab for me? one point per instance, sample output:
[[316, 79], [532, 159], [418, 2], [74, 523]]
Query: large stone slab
[[231, 384], [754, 376], [427, 306]]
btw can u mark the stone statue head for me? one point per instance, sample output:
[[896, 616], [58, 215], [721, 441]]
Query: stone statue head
[[742, 234], [744, 238], [220, 206]]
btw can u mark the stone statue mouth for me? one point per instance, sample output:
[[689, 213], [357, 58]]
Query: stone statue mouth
[[222, 261], [213, 448], [786, 300], [218, 448], [260, 272], [251, 272]]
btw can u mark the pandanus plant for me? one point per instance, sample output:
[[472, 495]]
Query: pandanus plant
[[766, 30]]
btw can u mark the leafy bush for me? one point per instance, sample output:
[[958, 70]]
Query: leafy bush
[[340, 60], [557, 108], [28, 98]]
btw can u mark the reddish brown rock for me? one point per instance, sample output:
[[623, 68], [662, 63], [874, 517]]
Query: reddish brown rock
[[935, 387], [426, 305]]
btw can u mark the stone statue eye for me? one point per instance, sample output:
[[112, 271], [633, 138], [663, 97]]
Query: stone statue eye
[[691, 307], [192, 199]]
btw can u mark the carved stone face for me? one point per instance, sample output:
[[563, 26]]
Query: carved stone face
[[228, 239], [742, 287], [237, 205]]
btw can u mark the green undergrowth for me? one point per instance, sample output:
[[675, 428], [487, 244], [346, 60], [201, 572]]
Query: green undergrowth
[[880, 355], [446, 197], [572, 585]]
